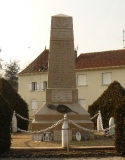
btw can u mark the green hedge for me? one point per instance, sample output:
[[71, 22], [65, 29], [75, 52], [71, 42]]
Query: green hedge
[[120, 127], [16, 103], [107, 102], [5, 123]]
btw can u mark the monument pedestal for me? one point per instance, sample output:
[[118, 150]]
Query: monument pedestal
[[45, 118]]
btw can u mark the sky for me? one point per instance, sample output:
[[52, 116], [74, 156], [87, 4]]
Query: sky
[[25, 26]]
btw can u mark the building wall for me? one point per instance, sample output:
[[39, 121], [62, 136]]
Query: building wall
[[89, 92], [27, 95], [94, 87]]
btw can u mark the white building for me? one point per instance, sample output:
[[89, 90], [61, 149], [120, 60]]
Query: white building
[[94, 72]]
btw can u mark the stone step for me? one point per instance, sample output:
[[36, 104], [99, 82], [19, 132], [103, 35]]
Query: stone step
[[40, 125], [60, 116]]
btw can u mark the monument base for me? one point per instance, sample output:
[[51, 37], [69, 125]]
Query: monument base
[[46, 117]]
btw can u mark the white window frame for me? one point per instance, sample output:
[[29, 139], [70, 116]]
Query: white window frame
[[106, 78], [81, 79], [34, 105], [34, 86]]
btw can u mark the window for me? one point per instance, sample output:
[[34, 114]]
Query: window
[[34, 86], [44, 86], [81, 79], [106, 78], [34, 104], [82, 102]]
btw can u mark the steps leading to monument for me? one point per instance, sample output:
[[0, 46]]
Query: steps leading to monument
[[39, 125], [57, 117]]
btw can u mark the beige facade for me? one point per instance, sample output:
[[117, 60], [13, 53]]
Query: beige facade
[[88, 91], [94, 83], [28, 94]]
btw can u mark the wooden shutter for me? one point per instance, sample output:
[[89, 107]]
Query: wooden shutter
[[81, 79], [34, 104], [37, 86], [30, 86], [106, 78], [43, 86]]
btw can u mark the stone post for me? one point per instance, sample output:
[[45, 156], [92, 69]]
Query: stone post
[[14, 123], [111, 123], [65, 133], [99, 128]]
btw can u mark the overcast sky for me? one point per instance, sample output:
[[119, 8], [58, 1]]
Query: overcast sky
[[25, 26]]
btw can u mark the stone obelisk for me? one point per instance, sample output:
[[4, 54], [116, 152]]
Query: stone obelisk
[[61, 80], [61, 73]]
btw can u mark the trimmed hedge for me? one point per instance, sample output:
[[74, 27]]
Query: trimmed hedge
[[107, 102], [5, 123], [119, 118], [16, 103]]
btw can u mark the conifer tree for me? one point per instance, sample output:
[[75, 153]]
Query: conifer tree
[[12, 68]]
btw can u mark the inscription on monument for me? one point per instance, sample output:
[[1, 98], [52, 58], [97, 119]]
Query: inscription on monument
[[61, 35], [63, 65], [62, 22], [62, 96]]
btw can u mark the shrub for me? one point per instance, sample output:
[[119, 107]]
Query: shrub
[[16, 103], [119, 118], [107, 102], [5, 122]]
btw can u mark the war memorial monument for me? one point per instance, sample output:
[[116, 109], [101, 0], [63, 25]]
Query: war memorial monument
[[61, 93]]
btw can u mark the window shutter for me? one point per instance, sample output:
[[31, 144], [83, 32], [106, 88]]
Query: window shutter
[[30, 86], [109, 78], [106, 78], [34, 104], [42, 86], [81, 79], [84, 79], [37, 86]]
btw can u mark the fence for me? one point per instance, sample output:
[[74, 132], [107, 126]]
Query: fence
[[99, 124]]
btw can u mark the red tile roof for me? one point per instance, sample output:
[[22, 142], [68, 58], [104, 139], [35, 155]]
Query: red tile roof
[[101, 59], [83, 61], [38, 65]]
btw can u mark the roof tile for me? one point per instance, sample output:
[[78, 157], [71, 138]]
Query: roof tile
[[101, 59], [38, 65], [83, 61]]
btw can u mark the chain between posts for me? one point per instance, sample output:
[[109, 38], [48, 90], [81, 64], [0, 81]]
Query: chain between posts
[[43, 130], [60, 121], [94, 116], [69, 121], [23, 117]]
